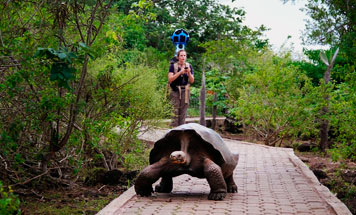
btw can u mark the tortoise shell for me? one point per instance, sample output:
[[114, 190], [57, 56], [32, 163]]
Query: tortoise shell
[[202, 137]]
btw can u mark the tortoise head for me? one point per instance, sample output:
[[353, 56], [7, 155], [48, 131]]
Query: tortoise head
[[179, 157]]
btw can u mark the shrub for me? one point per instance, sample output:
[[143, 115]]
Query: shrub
[[343, 123], [274, 102]]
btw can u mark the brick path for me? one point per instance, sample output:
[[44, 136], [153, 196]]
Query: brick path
[[270, 181]]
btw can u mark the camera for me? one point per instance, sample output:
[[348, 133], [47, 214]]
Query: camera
[[186, 68]]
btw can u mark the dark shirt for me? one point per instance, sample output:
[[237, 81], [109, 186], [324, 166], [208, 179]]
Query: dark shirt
[[182, 80]]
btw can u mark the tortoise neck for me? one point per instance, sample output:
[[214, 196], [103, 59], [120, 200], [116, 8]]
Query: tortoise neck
[[184, 142]]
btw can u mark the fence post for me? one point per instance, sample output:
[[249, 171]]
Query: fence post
[[202, 100]]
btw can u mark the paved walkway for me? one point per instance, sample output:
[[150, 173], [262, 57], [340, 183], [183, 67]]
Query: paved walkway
[[270, 181]]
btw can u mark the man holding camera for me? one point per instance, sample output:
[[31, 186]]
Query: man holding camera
[[180, 76]]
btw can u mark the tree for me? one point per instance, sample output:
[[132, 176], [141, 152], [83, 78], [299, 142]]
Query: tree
[[65, 87], [205, 20], [332, 23], [65, 62], [275, 101], [324, 125]]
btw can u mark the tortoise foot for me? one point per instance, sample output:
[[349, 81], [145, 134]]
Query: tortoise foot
[[144, 191], [216, 196], [232, 189], [162, 189]]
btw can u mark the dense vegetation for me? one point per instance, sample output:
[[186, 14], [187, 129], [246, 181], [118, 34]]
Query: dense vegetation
[[79, 78]]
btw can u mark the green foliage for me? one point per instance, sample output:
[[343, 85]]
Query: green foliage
[[342, 151], [123, 101], [314, 69], [61, 69], [274, 101], [332, 23], [226, 61], [66, 102], [343, 122], [215, 85], [9, 202]]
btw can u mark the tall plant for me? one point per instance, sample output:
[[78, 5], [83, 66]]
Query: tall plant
[[324, 125]]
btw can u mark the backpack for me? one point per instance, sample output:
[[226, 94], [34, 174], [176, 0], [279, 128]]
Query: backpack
[[176, 67]]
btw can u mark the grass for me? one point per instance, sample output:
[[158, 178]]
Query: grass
[[58, 204]]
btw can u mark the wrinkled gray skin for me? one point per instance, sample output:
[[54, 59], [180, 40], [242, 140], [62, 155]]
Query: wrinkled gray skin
[[190, 149]]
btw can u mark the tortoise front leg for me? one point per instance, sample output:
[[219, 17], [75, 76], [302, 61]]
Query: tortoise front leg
[[148, 176], [231, 186], [215, 179]]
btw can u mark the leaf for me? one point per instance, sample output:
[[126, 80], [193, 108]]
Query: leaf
[[91, 56], [334, 57], [72, 55], [62, 55], [83, 45], [40, 52], [52, 51], [324, 58], [68, 73], [53, 76]]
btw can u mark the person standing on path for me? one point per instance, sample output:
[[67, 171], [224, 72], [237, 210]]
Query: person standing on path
[[180, 76]]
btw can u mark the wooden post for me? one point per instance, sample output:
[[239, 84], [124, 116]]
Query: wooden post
[[214, 112], [202, 100]]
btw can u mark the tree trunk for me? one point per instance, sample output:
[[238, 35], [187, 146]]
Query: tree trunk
[[324, 124], [202, 100], [324, 129]]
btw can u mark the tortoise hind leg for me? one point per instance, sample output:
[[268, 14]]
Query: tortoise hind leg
[[165, 186], [215, 179], [231, 186]]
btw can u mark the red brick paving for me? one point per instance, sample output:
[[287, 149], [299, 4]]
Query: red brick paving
[[270, 181]]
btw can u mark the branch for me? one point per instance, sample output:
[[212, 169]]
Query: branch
[[101, 21], [31, 179], [92, 17], [5, 163], [7, 66], [75, 124], [39, 6], [2, 42], [77, 21], [104, 160]]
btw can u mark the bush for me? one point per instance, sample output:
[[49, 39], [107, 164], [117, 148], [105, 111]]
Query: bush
[[121, 102], [274, 102], [115, 103], [343, 123]]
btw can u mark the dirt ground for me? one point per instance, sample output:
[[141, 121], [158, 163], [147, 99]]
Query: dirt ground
[[339, 177]]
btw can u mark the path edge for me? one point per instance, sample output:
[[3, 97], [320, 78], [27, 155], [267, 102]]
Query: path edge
[[336, 204], [115, 205]]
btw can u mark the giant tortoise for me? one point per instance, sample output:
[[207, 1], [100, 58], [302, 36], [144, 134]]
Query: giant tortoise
[[189, 149]]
